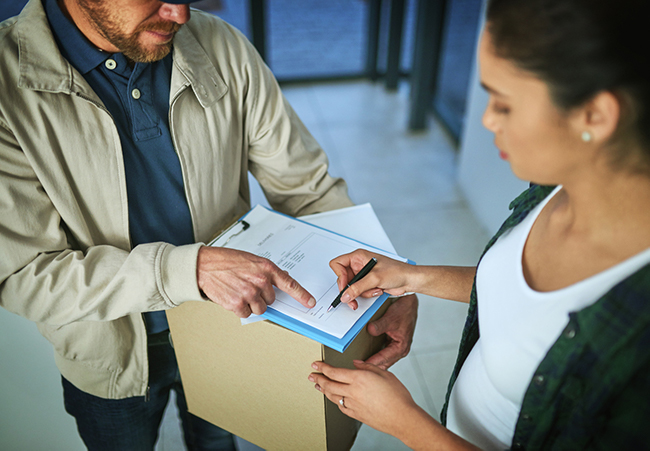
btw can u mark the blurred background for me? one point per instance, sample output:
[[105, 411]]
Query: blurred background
[[390, 90]]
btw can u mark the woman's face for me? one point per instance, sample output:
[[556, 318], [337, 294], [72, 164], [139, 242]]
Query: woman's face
[[531, 133]]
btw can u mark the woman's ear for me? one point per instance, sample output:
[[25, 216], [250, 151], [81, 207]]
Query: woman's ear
[[598, 118]]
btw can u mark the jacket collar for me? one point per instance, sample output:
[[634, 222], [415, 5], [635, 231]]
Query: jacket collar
[[196, 67], [41, 65], [43, 68]]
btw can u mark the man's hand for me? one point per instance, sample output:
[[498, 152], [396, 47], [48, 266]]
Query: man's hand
[[243, 283], [398, 323]]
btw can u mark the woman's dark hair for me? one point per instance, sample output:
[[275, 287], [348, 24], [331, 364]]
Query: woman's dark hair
[[580, 48]]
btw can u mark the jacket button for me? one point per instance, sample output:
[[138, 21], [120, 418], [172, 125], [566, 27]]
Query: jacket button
[[517, 446], [539, 380], [526, 417], [135, 93]]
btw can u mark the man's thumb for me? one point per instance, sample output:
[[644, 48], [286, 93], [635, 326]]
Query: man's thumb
[[378, 327]]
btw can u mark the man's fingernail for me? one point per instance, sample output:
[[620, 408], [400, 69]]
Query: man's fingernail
[[312, 302], [345, 297], [311, 378], [376, 293], [314, 366]]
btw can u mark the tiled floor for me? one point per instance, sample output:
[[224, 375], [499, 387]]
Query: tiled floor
[[410, 181]]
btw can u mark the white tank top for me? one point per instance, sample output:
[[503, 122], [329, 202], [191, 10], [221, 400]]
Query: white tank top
[[517, 328]]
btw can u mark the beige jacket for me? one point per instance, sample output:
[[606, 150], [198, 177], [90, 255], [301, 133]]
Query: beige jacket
[[66, 258]]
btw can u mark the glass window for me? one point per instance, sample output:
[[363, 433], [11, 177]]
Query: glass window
[[235, 12], [457, 56], [316, 38]]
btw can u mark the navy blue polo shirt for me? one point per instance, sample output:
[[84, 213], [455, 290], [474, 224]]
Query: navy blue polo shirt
[[137, 97]]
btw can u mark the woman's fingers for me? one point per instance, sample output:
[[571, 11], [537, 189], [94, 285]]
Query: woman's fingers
[[390, 276], [331, 389], [342, 375], [347, 265], [342, 268], [366, 285]]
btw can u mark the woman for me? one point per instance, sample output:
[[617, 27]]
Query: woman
[[562, 292]]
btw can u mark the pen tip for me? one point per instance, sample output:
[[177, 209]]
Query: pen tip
[[329, 308]]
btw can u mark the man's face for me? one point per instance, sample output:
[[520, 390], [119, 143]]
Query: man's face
[[143, 30]]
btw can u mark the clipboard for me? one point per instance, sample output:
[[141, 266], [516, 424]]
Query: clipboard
[[258, 225]]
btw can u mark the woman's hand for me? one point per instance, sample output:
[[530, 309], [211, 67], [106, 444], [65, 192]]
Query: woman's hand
[[388, 275], [377, 398], [371, 395], [397, 278]]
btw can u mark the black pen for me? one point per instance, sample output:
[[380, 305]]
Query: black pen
[[360, 275]]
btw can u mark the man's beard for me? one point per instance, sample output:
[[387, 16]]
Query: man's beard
[[106, 24]]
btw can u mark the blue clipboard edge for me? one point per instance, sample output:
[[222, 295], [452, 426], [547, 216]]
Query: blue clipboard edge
[[338, 344]]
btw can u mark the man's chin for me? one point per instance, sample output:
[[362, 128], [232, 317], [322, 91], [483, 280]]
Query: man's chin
[[148, 55]]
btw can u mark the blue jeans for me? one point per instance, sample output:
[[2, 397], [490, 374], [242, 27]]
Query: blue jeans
[[132, 424]]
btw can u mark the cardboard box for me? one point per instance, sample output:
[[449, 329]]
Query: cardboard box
[[252, 380]]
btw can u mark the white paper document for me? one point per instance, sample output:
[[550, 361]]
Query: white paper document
[[304, 251], [359, 223]]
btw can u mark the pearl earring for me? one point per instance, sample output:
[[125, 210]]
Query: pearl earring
[[586, 137]]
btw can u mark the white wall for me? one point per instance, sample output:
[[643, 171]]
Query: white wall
[[486, 181], [32, 416]]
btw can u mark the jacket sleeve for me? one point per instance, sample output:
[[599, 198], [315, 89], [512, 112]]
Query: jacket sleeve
[[289, 164], [47, 278]]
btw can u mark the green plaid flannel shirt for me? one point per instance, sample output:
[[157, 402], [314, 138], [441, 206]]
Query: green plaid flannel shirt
[[592, 389]]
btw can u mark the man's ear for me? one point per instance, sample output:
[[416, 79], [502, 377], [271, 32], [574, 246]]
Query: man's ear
[[599, 117]]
